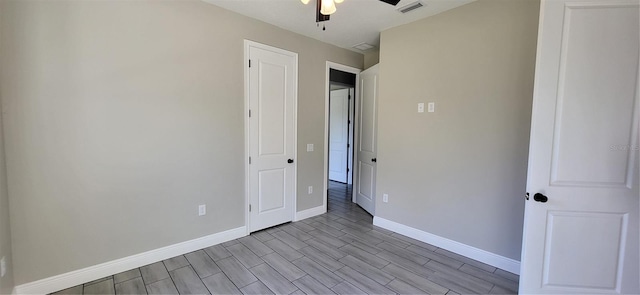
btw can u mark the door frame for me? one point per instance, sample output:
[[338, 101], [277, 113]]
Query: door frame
[[340, 67], [248, 44]]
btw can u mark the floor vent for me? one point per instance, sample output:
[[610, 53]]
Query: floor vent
[[410, 7]]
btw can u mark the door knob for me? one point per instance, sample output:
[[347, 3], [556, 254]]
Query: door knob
[[374, 160], [290, 161], [538, 197]]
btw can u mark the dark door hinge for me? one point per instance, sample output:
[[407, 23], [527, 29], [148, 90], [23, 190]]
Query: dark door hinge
[[249, 207], [249, 113], [249, 160], [249, 63]]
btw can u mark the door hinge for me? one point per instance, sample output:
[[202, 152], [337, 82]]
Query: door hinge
[[348, 122], [249, 63], [349, 96], [249, 113], [347, 170], [348, 145], [249, 207], [249, 160]]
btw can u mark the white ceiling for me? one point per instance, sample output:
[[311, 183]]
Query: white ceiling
[[354, 22]]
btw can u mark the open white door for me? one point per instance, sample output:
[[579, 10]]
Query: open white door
[[367, 141], [272, 79], [338, 135], [581, 219]]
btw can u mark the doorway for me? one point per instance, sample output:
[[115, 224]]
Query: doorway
[[340, 131]]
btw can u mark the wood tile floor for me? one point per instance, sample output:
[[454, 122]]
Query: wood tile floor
[[338, 252]]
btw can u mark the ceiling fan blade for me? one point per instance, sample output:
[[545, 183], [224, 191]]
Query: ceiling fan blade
[[392, 2]]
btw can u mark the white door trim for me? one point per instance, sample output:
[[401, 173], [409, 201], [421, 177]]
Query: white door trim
[[348, 69], [247, 45]]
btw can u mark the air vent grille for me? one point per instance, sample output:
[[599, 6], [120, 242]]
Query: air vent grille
[[410, 7]]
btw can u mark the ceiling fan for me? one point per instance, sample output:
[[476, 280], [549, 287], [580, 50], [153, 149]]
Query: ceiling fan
[[324, 8]]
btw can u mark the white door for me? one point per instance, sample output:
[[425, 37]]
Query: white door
[[338, 135], [272, 83], [584, 151], [367, 147]]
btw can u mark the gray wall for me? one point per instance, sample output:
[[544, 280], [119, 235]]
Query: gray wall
[[6, 282], [371, 57], [121, 117], [460, 172]]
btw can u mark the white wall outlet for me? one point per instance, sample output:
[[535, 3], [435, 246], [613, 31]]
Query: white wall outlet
[[385, 198], [431, 107], [421, 107], [3, 267], [310, 189], [309, 147], [202, 210]]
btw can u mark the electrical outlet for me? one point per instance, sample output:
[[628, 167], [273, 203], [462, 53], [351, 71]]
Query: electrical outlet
[[3, 267], [385, 198], [310, 147], [310, 189], [421, 107], [202, 210]]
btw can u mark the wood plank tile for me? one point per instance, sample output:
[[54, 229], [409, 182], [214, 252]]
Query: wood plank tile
[[345, 288], [175, 262], [359, 244], [507, 284], [133, 286], [256, 288], [302, 226], [326, 248], [262, 236], [290, 240], [323, 259], [273, 279], [507, 275], [202, 263], [404, 253], [165, 286], [255, 245], [329, 230], [236, 272], [415, 280], [127, 275], [220, 284], [460, 278], [414, 242], [283, 266], [154, 272], [283, 249], [310, 285], [323, 275], [466, 260], [367, 257], [244, 255], [327, 239], [401, 287], [362, 282], [446, 260], [77, 290], [366, 269], [101, 288], [217, 252], [406, 263], [297, 233], [187, 281]]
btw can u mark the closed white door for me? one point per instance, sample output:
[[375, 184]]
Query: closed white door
[[581, 219], [367, 147], [272, 81], [338, 135]]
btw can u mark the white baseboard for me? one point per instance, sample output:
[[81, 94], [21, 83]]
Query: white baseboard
[[76, 277], [492, 259], [304, 214]]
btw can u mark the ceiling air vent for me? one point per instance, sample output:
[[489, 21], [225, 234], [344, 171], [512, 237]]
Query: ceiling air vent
[[410, 7]]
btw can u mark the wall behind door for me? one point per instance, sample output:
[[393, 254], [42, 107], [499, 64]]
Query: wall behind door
[[121, 117], [459, 173]]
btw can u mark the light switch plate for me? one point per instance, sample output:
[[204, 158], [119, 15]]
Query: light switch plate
[[310, 147], [3, 267], [432, 107], [202, 210], [421, 107], [310, 189], [385, 198]]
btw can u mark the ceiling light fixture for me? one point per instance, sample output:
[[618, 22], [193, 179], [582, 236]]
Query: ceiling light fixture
[[324, 9]]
